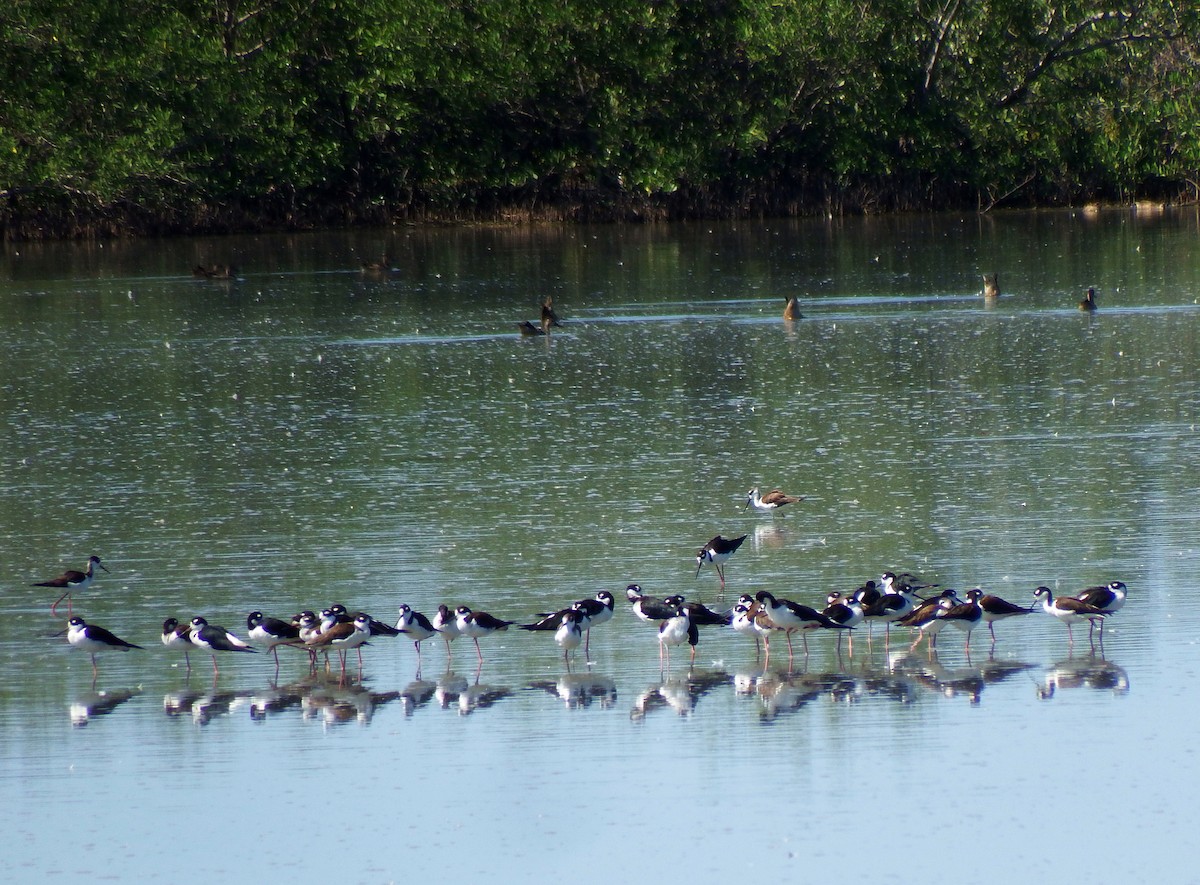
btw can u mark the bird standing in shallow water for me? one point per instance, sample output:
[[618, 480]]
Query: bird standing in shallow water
[[1088, 302], [772, 500], [416, 627], [789, 616], [675, 630], [446, 624], [92, 639], [1109, 598], [477, 625], [569, 635], [966, 616], [1068, 609], [72, 580], [716, 552], [273, 632], [213, 639], [996, 609], [178, 637]]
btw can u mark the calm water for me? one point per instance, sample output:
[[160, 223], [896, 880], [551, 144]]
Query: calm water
[[309, 434]]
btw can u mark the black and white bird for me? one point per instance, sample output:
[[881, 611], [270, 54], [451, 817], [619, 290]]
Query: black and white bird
[[676, 630], [1069, 609], [596, 611], [213, 639], [891, 606], [846, 611], [1109, 598], [792, 616], [446, 624], [92, 639], [178, 637], [924, 618], [71, 580], [272, 632], [342, 637], [966, 616], [716, 552], [416, 627], [647, 608], [569, 634], [995, 609], [478, 625]]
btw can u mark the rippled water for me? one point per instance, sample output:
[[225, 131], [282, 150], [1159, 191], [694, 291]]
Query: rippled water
[[309, 434]]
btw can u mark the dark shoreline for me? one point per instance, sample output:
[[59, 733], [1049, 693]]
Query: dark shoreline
[[26, 217]]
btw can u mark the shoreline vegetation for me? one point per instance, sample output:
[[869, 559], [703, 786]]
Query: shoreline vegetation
[[151, 117]]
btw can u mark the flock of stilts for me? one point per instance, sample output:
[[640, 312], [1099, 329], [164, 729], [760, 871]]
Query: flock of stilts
[[895, 599]]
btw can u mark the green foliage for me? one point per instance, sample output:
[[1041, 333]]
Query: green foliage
[[205, 114]]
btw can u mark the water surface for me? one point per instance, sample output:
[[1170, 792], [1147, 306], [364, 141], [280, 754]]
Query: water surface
[[309, 433]]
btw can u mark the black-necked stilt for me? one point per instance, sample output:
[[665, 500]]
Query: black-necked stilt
[[178, 637], [891, 606], [416, 627], [894, 583], [548, 622], [72, 580], [791, 309], [750, 619], [1088, 303], [343, 636], [790, 616], [772, 500], [213, 639], [1109, 598], [569, 634], [1068, 609], [846, 611], [966, 616], [273, 632], [716, 552], [477, 625], [924, 618], [445, 622], [868, 594], [996, 609], [594, 612], [676, 630], [647, 608], [92, 639]]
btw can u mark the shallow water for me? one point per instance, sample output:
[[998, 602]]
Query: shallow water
[[309, 434]]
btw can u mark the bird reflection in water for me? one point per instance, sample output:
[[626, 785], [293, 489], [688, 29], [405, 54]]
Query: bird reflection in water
[[454, 691], [1091, 671], [579, 690], [680, 694], [337, 703], [416, 694], [201, 706], [93, 704]]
